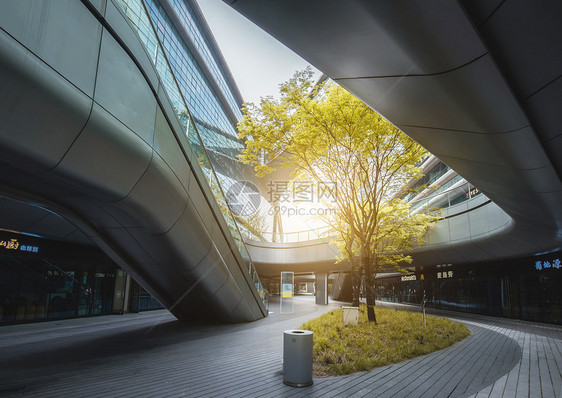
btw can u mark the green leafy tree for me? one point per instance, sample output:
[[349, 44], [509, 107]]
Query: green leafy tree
[[327, 134]]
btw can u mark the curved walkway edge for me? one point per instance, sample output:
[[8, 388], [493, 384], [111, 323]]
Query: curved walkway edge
[[153, 355]]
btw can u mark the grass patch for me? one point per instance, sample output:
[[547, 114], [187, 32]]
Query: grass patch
[[399, 335]]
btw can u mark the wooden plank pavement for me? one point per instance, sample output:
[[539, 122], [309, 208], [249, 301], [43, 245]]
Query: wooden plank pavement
[[153, 355]]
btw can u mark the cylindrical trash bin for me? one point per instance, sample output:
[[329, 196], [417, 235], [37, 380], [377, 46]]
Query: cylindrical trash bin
[[297, 358]]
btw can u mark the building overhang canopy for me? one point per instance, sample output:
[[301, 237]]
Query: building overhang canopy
[[476, 83]]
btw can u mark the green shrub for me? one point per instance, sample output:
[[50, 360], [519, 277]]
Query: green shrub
[[399, 335]]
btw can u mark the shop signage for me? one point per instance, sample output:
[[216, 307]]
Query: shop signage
[[104, 275], [542, 265], [445, 275], [407, 278], [472, 192], [13, 244]]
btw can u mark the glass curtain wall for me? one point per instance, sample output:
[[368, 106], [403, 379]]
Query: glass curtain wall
[[215, 112], [203, 116]]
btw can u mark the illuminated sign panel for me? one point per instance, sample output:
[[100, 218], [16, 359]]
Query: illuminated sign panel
[[287, 291], [472, 192], [543, 265], [444, 274], [13, 244]]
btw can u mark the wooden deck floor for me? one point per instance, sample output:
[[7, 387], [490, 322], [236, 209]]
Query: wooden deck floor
[[153, 355]]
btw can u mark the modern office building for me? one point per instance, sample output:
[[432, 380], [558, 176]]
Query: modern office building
[[118, 141], [524, 288], [117, 145]]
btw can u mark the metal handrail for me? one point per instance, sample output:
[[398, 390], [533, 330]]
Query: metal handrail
[[441, 192], [325, 231], [295, 236]]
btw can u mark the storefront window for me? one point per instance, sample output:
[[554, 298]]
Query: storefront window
[[58, 280], [526, 288]]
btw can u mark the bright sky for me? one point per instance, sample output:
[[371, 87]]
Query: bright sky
[[258, 62]]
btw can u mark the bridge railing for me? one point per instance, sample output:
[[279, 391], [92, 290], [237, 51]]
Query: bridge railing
[[449, 194], [299, 236]]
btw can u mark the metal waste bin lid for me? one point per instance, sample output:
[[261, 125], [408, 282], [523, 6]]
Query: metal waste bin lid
[[298, 332]]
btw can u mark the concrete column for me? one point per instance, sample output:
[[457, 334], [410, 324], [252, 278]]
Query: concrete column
[[277, 223], [119, 292], [127, 294], [321, 287]]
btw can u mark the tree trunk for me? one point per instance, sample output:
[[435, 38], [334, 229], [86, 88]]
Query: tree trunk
[[369, 284], [356, 285], [371, 304]]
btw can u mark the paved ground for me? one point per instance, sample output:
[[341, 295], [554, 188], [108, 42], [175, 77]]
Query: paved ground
[[153, 355]]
